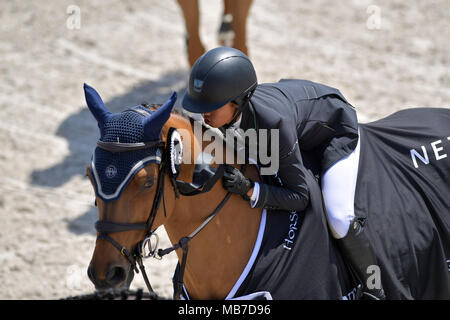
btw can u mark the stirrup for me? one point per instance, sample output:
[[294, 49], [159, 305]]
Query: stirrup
[[362, 294], [368, 296]]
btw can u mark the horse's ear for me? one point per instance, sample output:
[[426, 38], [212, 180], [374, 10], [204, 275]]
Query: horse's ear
[[154, 124], [95, 104]]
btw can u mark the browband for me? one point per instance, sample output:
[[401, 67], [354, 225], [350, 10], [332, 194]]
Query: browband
[[124, 147]]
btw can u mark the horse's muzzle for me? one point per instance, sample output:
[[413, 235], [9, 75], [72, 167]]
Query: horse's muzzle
[[116, 276]]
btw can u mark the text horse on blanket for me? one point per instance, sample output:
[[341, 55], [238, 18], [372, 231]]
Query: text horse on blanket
[[226, 249]]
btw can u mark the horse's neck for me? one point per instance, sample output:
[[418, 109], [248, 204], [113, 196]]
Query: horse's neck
[[219, 253]]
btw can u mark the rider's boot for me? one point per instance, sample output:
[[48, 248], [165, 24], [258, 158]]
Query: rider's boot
[[358, 252]]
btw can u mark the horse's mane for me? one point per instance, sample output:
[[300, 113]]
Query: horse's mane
[[186, 116]]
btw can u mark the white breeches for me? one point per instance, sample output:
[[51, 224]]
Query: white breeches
[[338, 188]]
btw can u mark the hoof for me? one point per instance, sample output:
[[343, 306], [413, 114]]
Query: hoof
[[226, 33]]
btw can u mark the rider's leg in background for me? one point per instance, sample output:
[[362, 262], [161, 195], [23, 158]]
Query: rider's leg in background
[[240, 10], [194, 45], [338, 188]]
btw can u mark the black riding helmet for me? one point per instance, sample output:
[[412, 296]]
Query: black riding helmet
[[219, 76]]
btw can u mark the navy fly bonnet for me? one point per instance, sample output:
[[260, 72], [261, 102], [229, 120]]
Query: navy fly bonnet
[[128, 141]]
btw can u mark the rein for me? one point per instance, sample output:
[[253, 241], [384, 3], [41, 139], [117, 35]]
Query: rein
[[105, 227]]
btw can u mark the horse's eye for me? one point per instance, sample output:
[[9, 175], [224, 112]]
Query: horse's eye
[[149, 183]]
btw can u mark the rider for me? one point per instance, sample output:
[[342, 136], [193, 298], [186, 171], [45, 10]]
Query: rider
[[312, 119]]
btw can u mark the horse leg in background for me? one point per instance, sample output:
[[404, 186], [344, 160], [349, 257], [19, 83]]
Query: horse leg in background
[[239, 10], [225, 35], [191, 15]]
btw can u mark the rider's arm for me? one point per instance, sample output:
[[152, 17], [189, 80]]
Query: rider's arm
[[293, 195]]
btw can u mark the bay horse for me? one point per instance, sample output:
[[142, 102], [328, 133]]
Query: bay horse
[[217, 265], [225, 248], [232, 32]]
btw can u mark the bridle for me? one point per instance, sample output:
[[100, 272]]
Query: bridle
[[105, 227]]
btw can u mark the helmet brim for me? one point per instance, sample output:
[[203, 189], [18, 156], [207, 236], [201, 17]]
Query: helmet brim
[[199, 107]]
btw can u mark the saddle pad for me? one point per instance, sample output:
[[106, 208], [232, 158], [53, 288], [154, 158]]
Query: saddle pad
[[293, 258], [403, 190]]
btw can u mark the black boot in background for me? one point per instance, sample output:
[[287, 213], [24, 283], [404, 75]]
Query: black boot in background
[[357, 250]]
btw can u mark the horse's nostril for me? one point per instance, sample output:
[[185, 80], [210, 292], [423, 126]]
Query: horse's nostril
[[115, 275]]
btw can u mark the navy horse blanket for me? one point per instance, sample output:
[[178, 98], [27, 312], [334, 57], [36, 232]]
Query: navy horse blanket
[[403, 191]]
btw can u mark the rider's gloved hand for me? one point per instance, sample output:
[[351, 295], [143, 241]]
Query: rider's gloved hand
[[234, 181]]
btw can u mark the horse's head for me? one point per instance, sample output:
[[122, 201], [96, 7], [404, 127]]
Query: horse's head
[[144, 160], [125, 174]]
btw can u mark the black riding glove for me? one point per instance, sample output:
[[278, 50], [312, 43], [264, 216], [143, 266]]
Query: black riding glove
[[234, 181]]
